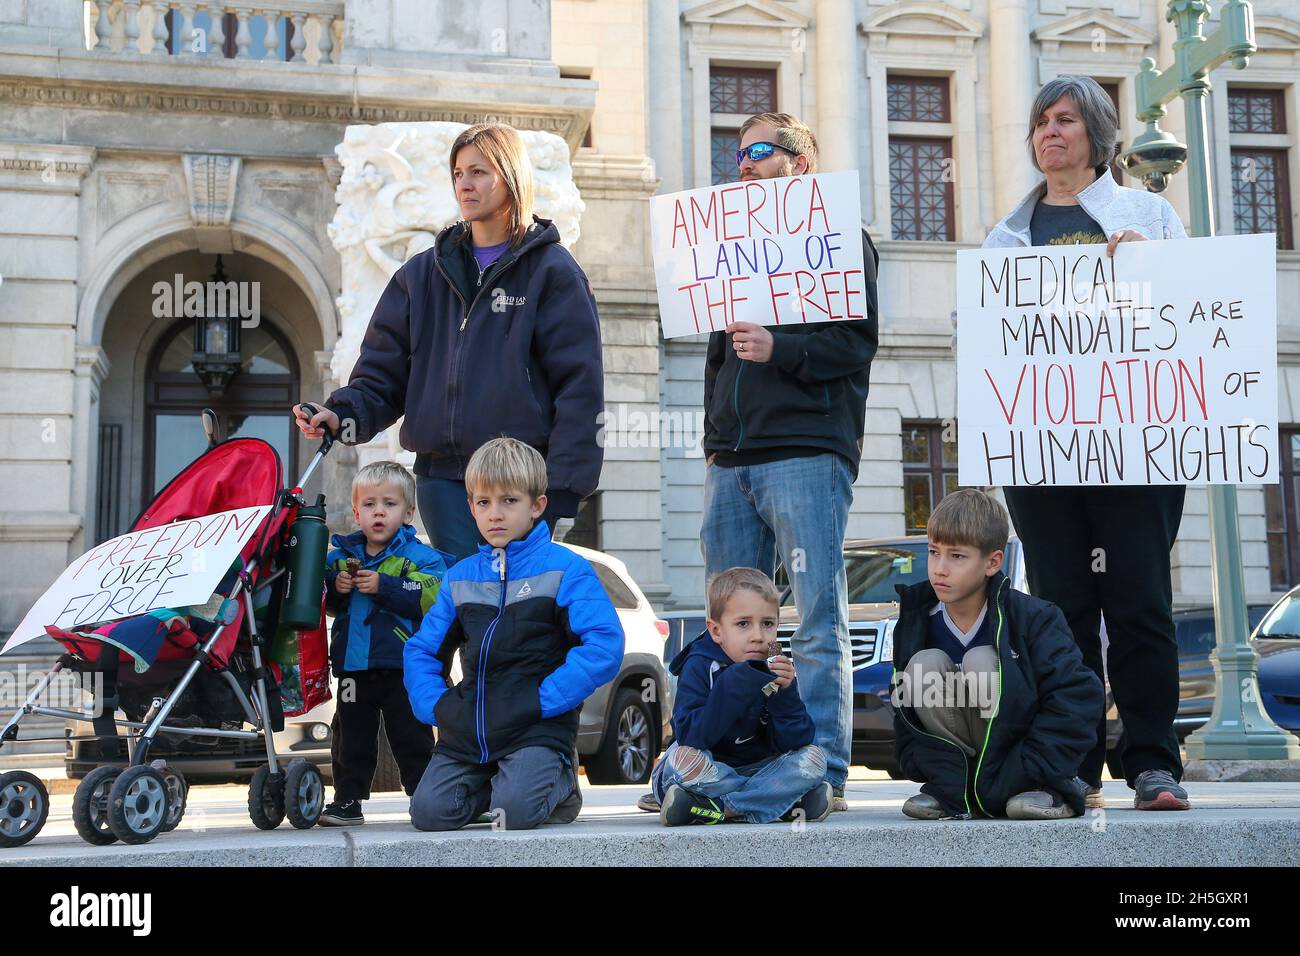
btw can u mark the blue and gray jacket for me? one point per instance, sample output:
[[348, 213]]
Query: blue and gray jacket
[[536, 634], [720, 707], [370, 631]]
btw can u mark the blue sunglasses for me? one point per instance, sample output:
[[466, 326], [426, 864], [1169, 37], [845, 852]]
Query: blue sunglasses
[[760, 151]]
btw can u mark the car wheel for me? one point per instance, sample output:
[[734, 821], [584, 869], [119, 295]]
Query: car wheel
[[388, 777], [627, 750]]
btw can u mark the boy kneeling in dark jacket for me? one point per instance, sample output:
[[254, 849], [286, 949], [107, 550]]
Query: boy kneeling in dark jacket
[[743, 742], [994, 707]]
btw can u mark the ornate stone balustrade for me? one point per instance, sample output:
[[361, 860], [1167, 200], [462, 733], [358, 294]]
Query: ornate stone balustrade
[[235, 29]]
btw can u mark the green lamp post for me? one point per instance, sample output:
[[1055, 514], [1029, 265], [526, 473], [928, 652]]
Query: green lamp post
[[1239, 728]]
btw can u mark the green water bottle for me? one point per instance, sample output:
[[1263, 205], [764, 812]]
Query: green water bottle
[[305, 559]]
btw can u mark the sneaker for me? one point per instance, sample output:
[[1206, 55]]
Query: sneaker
[[648, 802], [816, 804], [1094, 799], [568, 809], [344, 813], [1156, 790], [1038, 805], [682, 808], [924, 807], [838, 803]]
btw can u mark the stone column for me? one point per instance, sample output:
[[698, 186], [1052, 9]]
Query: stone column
[[1011, 93], [91, 370], [40, 519], [667, 113], [838, 120]]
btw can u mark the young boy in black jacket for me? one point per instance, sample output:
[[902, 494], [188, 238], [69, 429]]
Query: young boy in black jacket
[[993, 703], [743, 747]]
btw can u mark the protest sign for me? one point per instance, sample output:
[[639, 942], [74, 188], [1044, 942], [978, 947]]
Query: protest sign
[[772, 251], [1157, 366], [173, 565]]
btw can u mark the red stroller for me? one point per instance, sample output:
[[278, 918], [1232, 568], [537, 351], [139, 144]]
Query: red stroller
[[208, 677]]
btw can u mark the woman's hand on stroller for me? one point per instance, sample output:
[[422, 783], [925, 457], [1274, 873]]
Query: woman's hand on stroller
[[367, 582], [310, 424]]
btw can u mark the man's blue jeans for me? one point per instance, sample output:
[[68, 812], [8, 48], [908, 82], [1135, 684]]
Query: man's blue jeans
[[797, 508], [759, 792]]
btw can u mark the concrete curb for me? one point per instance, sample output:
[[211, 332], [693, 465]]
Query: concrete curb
[[1258, 837]]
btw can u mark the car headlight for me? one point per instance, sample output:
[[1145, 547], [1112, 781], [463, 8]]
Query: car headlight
[[887, 643]]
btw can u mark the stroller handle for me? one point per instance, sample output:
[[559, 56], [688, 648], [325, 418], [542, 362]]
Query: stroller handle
[[328, 440]]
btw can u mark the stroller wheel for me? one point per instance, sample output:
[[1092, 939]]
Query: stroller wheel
[[24, 807], [177, 792], [90, 806], [137, 804], [266, 799], [304, 793]]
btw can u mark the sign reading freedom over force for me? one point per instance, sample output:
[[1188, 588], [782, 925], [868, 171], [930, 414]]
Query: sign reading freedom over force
[[770, 251], [169, 566], [1157, 366]]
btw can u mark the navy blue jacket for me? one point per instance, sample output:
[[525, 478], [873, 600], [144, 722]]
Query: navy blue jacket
[[1048, 707], [370, 631], [536, 633], [467, 357], [720, 707]]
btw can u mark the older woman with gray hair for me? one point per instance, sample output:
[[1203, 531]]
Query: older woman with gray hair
[[1103, 551]]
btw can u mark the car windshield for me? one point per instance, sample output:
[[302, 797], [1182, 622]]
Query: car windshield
[[872, 572], [1284, 620]]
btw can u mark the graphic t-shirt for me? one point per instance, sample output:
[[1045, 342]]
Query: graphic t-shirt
[[1063, 226]]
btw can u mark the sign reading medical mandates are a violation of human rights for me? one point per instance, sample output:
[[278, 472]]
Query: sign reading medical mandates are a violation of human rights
[[773, 252], [1155, 366], [169, 566]]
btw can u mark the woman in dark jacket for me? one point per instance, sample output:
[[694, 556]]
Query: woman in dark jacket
[[492, 331]]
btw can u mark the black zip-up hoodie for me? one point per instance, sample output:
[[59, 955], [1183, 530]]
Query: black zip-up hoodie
[[467, 357], [1048, 707], [812, 393]]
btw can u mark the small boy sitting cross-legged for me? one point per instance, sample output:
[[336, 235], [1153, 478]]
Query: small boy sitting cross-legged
[[994, 708], [743, 742]]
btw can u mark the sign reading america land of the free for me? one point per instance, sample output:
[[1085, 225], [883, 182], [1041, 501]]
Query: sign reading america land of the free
[[1155, 366], [773, 252]]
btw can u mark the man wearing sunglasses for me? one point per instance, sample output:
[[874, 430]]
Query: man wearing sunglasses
[[784, 410]]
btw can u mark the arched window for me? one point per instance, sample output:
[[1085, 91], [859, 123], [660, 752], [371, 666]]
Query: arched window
[[254, 405]]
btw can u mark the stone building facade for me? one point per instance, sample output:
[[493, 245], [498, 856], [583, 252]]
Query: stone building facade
[[128, 156]]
